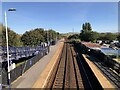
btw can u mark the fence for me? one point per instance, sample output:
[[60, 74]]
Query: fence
[[18, 71], [18, 52]]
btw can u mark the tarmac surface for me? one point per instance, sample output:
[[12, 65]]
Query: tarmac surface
[[28, 79]]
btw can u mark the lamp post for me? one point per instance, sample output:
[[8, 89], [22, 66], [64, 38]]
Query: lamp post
[[56, 36], [47, 36], [11, 9]]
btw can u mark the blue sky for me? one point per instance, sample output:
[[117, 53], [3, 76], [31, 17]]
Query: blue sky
[[62, 16]]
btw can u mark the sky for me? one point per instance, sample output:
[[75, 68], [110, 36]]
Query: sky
[[61, 16]]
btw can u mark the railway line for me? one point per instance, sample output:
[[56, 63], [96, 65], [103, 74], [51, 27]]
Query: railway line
[[111, 76], [72, 72]]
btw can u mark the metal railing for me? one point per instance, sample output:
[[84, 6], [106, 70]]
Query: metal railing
[[37, 52], [19, 52]]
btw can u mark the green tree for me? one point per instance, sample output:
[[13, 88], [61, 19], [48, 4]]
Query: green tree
[[46, 36], [19, 42], [83, 27], [87, 27], [58, 35], [74, 36], [87, 34], [33, 37], [1, 34], [118, 37], [13, 39], [52, 35], [107, 36]]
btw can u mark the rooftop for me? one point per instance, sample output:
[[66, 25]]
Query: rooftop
[[91, 45]]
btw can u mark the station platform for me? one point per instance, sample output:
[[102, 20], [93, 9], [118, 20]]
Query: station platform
[[39, 72], [105, 83]]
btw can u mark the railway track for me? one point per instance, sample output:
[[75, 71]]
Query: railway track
[[111, 76], [90, 81], [68, 73]]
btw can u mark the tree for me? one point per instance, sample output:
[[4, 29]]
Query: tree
[[87, 34], [33, 37], [38, 35], [13, 38], [19, 42], [118, 37], [46, 36], [83, 27], [87, 27], [52, 35], [94, 36], [58, 35], [1, 34], [74, 36], [29, 38], [110, 36], [107, 36]]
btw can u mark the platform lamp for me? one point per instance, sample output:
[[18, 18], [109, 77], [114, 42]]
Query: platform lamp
[[11, 9], [48, 42], [56, 37]]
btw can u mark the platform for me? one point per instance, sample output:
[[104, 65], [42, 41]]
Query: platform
[[45, 75], [101, 78], [29, 78]]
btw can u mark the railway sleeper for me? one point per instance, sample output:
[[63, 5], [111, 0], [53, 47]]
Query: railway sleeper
[[78, 75]]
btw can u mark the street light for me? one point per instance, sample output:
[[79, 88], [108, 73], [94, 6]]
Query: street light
[[48, 43], [48, 37], [56, 36], [11, 9]]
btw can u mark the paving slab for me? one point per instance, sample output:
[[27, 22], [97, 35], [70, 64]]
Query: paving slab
[[45, 76], [28, 79], [101, 78]]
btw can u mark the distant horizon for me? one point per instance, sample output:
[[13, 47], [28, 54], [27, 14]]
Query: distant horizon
[[62, 16], [97, 32], [62, 32]]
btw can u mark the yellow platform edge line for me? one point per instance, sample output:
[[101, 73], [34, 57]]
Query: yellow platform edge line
[[42, 80], [101, 78]]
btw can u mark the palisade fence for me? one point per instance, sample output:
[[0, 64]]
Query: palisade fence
[[18, 71]]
